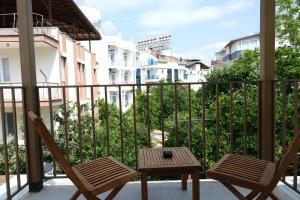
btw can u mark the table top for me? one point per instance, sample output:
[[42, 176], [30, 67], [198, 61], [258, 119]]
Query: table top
[[152, 158]]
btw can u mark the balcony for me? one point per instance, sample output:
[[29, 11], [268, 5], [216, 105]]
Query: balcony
[[40, 24], [14, 92], [158, 190], [202, 119], [152, 77]]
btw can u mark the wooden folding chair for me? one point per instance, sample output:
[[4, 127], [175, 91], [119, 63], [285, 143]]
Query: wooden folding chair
[[91, 178], [260, 176]]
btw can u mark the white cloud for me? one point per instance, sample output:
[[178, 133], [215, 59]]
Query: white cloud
[[205, 53], [229, 24], [169, 16], [109, 28], [110, 7], [93, 14]]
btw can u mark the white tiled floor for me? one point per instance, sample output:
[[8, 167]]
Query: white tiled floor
[[60, 189]]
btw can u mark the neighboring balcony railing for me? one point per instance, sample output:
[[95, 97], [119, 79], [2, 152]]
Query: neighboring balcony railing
[[210, 118], [11, 20], [152, 77], [43, 93]]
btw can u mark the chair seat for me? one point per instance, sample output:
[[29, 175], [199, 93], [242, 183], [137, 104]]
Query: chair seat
[[104, 174], [243, 171]]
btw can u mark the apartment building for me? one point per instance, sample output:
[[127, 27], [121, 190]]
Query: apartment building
[[60, 59], [119, 60], [155, 67], [234, 49]]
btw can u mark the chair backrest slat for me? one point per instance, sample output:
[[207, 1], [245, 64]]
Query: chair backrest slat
[[287, 158], [55, 150]]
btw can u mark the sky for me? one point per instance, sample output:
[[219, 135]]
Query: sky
[[199, 28]]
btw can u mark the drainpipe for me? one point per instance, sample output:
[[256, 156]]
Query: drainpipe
[[28, 70]]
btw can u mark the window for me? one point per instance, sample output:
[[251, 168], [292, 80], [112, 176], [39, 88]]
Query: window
[[113, 78], [4, 70], [151, 62], [138, 76], [185, 75], [126, 99], [125, 59], [253, 44], [126, 78], [245, 44], [176, 78], [9, 123], [111, 55], [79, 73], [83, 75], [113, 97], [63, 70], [152, 74]]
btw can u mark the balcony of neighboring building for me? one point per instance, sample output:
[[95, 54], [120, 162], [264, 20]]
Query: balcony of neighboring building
[[44, 34]]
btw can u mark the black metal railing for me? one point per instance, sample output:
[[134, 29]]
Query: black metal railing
[[211, 118], [13, 157]]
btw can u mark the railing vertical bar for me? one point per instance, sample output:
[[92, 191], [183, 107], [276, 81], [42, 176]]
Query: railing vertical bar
[[258, 118], [6, 163], [231, 117], [65, 122], [106, 121], [24, 110], [15, 132], [79, 123], [295, 120], [93, 123], [217, 122], [148, 117], [284, 117], [176, 116], [190, 117], [121, 123], [245, 118], [134, 126], [203, 128], [162, 115], [51, 125]]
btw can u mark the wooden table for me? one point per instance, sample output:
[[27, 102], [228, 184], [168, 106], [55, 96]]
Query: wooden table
[[183, 162]]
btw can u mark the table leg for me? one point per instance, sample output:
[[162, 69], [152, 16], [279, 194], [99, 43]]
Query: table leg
[[144, 186], [184, 178], [196, 188]]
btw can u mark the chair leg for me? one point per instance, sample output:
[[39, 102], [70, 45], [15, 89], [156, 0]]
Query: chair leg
[[114, 192], [262, 196], [252, 195], [75, 195], [234, 191], [273, 196]]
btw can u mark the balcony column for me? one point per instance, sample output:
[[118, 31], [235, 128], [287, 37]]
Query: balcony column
[[267, 63], [28, 71]]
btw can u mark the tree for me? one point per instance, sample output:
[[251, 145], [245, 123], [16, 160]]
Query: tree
[[288, 21]]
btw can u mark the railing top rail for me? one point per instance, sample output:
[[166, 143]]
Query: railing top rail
[[6, 14], [148, 84], [11, 87], [19, 84]]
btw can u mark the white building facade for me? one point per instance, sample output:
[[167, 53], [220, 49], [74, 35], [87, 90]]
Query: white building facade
[[59, 61], [235, 49], [155, 67], [119, 60]]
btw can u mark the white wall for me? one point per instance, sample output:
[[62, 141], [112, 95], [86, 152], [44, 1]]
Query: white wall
[[47, 59]]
